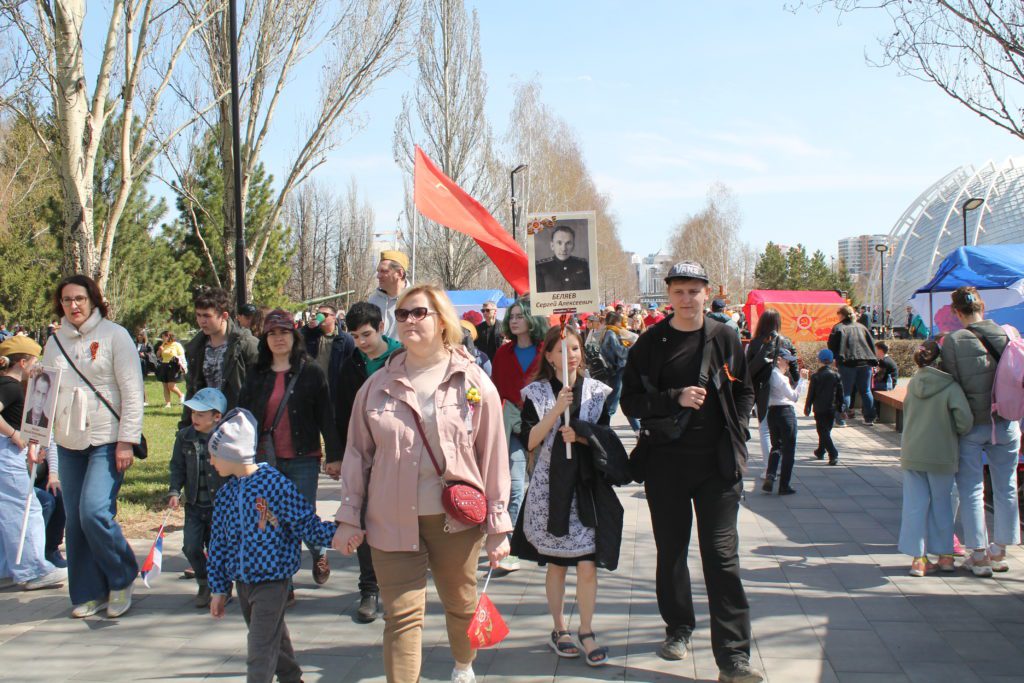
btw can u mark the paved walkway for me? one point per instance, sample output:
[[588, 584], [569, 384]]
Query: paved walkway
[[830, 597]]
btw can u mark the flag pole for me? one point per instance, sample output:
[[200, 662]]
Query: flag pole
[[32, 446]]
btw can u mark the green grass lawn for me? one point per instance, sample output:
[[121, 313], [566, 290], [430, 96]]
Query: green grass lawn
[[142, 500]]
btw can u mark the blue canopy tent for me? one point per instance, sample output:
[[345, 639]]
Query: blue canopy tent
[[997, 270], [472, 299]]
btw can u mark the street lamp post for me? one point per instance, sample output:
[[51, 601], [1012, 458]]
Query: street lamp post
[[515, 210], [881, 249], [969, 205], [236, 158]]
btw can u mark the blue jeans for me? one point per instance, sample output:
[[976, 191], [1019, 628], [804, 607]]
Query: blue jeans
[[53, 517], [15, 489], [517, 471], [1002, 467], [196, 538], [613, 400], [927, 522], [99, 558], [858, 380], [304, 472]]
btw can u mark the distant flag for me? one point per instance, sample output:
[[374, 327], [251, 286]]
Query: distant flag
[[151, 567], [441, 200]]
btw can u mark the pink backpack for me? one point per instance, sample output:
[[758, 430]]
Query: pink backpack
[[1008, 384]]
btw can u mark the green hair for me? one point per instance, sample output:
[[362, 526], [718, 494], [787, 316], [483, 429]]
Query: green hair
[[537, 326]]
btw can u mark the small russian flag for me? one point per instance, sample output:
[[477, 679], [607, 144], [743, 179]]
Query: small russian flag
[[151, 567]]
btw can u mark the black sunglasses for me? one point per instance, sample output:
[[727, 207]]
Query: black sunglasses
[[416, 314]]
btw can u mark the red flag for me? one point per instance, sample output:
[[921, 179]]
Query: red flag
[[487, 628], [442, 201]]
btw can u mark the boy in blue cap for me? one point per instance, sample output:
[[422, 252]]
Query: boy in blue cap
[[193, 478], [825, 396], [259, 523]]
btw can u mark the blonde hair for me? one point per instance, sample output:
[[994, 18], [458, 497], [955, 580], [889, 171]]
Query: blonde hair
[[451, 327]]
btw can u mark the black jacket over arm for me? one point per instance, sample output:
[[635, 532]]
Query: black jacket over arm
[[350, 379], [733, 385], [309, 408], [589, 478]]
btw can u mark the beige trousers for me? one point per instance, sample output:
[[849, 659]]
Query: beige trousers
[[452, 559]]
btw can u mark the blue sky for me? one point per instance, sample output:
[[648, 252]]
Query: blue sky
[[669, 97]]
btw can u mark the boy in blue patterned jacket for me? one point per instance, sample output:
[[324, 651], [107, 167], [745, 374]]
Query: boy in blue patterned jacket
[[259, 522]]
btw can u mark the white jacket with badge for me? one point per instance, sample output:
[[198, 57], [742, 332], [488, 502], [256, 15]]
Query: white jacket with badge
[[105, 353]]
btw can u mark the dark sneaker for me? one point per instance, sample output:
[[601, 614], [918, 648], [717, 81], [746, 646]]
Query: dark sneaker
[[840, 423], [833, 460], [869, 424], [321, 570], [819, 454], [740, 672], [674, 648], [769, 483], [368, 608], [57, 559], [188, 574], [787, 491], [203, 596]]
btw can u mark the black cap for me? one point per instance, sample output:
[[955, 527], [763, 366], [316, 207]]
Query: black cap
[[247, 309], [688, 270], [718, 305]]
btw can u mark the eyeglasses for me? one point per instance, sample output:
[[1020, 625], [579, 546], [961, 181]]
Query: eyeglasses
[[517, 316], [79, 301], [416, 314]]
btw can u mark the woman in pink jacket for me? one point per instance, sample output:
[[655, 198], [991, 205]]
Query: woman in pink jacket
[[388, 469]]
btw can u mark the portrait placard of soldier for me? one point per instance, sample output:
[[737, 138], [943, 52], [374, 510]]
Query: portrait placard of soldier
[[40, 403], [563, 261]]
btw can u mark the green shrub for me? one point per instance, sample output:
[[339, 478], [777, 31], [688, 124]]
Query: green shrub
[[901, 351]]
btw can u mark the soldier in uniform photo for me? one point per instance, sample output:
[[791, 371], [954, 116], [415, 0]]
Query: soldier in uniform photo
[[563, 272]]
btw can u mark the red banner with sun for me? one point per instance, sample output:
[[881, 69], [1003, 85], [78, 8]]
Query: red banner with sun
[[806, 315]]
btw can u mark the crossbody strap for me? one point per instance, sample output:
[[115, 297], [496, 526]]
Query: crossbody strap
[[287, 395], [987, 344], [86, 379], [426, 444]]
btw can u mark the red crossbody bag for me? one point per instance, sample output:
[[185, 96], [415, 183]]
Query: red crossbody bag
[[463, 502]]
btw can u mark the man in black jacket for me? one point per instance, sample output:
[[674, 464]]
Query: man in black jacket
[[854, 349], [693, 369], [372, 351], [220, 355], [488, 333]]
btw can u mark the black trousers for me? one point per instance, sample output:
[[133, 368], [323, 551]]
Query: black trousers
[[367, 577], [823, 423], [676, 489], [270, 649], [782, 428]]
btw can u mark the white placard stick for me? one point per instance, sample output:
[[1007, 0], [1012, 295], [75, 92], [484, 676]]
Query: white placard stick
[[32, 445], [565, 383]]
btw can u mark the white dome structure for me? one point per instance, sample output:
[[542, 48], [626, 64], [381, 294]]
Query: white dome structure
[[933, 226]]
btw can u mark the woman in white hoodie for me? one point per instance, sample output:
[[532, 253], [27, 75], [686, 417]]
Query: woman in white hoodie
[[94, 445]]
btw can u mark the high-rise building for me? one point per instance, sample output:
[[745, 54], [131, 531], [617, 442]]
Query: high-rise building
[[859, 254], [650, 272]]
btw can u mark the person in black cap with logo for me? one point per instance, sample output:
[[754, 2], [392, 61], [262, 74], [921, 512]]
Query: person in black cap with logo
[[686, 380]]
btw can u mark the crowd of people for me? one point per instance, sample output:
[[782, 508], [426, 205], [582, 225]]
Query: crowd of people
[[456, 436]]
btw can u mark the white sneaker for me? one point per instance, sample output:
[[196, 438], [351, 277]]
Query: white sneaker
[[167, 405], [87, 609], [120, 601], [510, 564], [978, 564], [55, 578], [463, 675], [997, 556]]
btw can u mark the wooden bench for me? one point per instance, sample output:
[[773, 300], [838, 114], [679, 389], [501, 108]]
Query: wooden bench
[[889, 406]]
